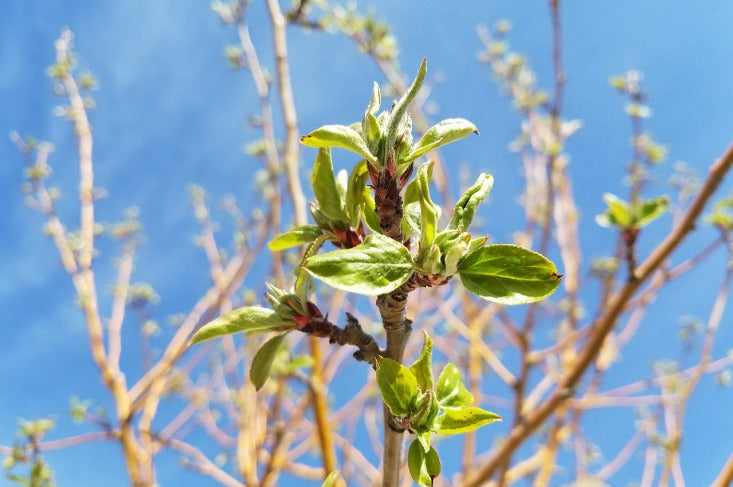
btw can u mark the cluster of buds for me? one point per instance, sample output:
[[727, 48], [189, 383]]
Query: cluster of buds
[[305, 314], [340, 234], [440, 261]]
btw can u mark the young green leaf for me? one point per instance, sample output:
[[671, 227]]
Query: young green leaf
[[442, 133], [294, 237], [377, 266], [422, 368], [259, 370], [463, 420], [324, 186], [618, 214], [450, 391], [508, 274], [397, 386], [330, 481], [429, 213], [650, 210], [355, 193], [339, 136], [370, 213], [467, 204], [249, 319], [400, 108], [423, 466]]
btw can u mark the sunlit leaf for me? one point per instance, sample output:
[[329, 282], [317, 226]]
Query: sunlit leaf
[[294, 237], [442, 133], [400, 108], [397, 386], [463, 420], [259, 370], [422, 368], [249, 319], [424, 466], [469, 201], [377, 266], [450, 391], [650, 210], [339, 136], [508, 274]]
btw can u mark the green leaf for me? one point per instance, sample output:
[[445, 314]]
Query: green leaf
[[355, 193], [467, 204], [400, 108], [324, 186], [463, 420], [650, 210], [294, 237], [618, 213], [432, 463], [422, 368], [397, 386], [442, 133], [330, 481], [429, 213], [450, 391], [339, 136], [259, 370], [424, 467], [377, 266], [508, 274], [370, 213], [249, 319]]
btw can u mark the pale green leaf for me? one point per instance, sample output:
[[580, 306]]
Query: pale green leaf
[[324, 186], [508, 274], [400, 109], [377, 266], [469, 201], [429, 212], [417, 463], [259, 370], [294, 237], [463, 420], [421, 369], [442, 133], [339, 136], [355, 193], [397, 386], [450, 391], [370, 214], [249, 319], [330, 481], [650, 210], [618, 214]]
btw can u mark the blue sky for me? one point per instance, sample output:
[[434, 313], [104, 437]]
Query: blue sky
[[170, 112]]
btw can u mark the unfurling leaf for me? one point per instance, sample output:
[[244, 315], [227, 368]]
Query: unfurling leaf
[[377, 266], [467, 204], [330, 481], [324, 186], [397, 386], [400, 108], [463, 420], [294, 237], [508, 274], [355, 193], [618, 213], [249, 319], [418, 191], [650, 210], [450, 391], [339, 136], [444, 132], [424, 466], [422, 368], [259, 371]]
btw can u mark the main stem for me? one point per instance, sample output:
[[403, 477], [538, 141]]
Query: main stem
[[397, 327]]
